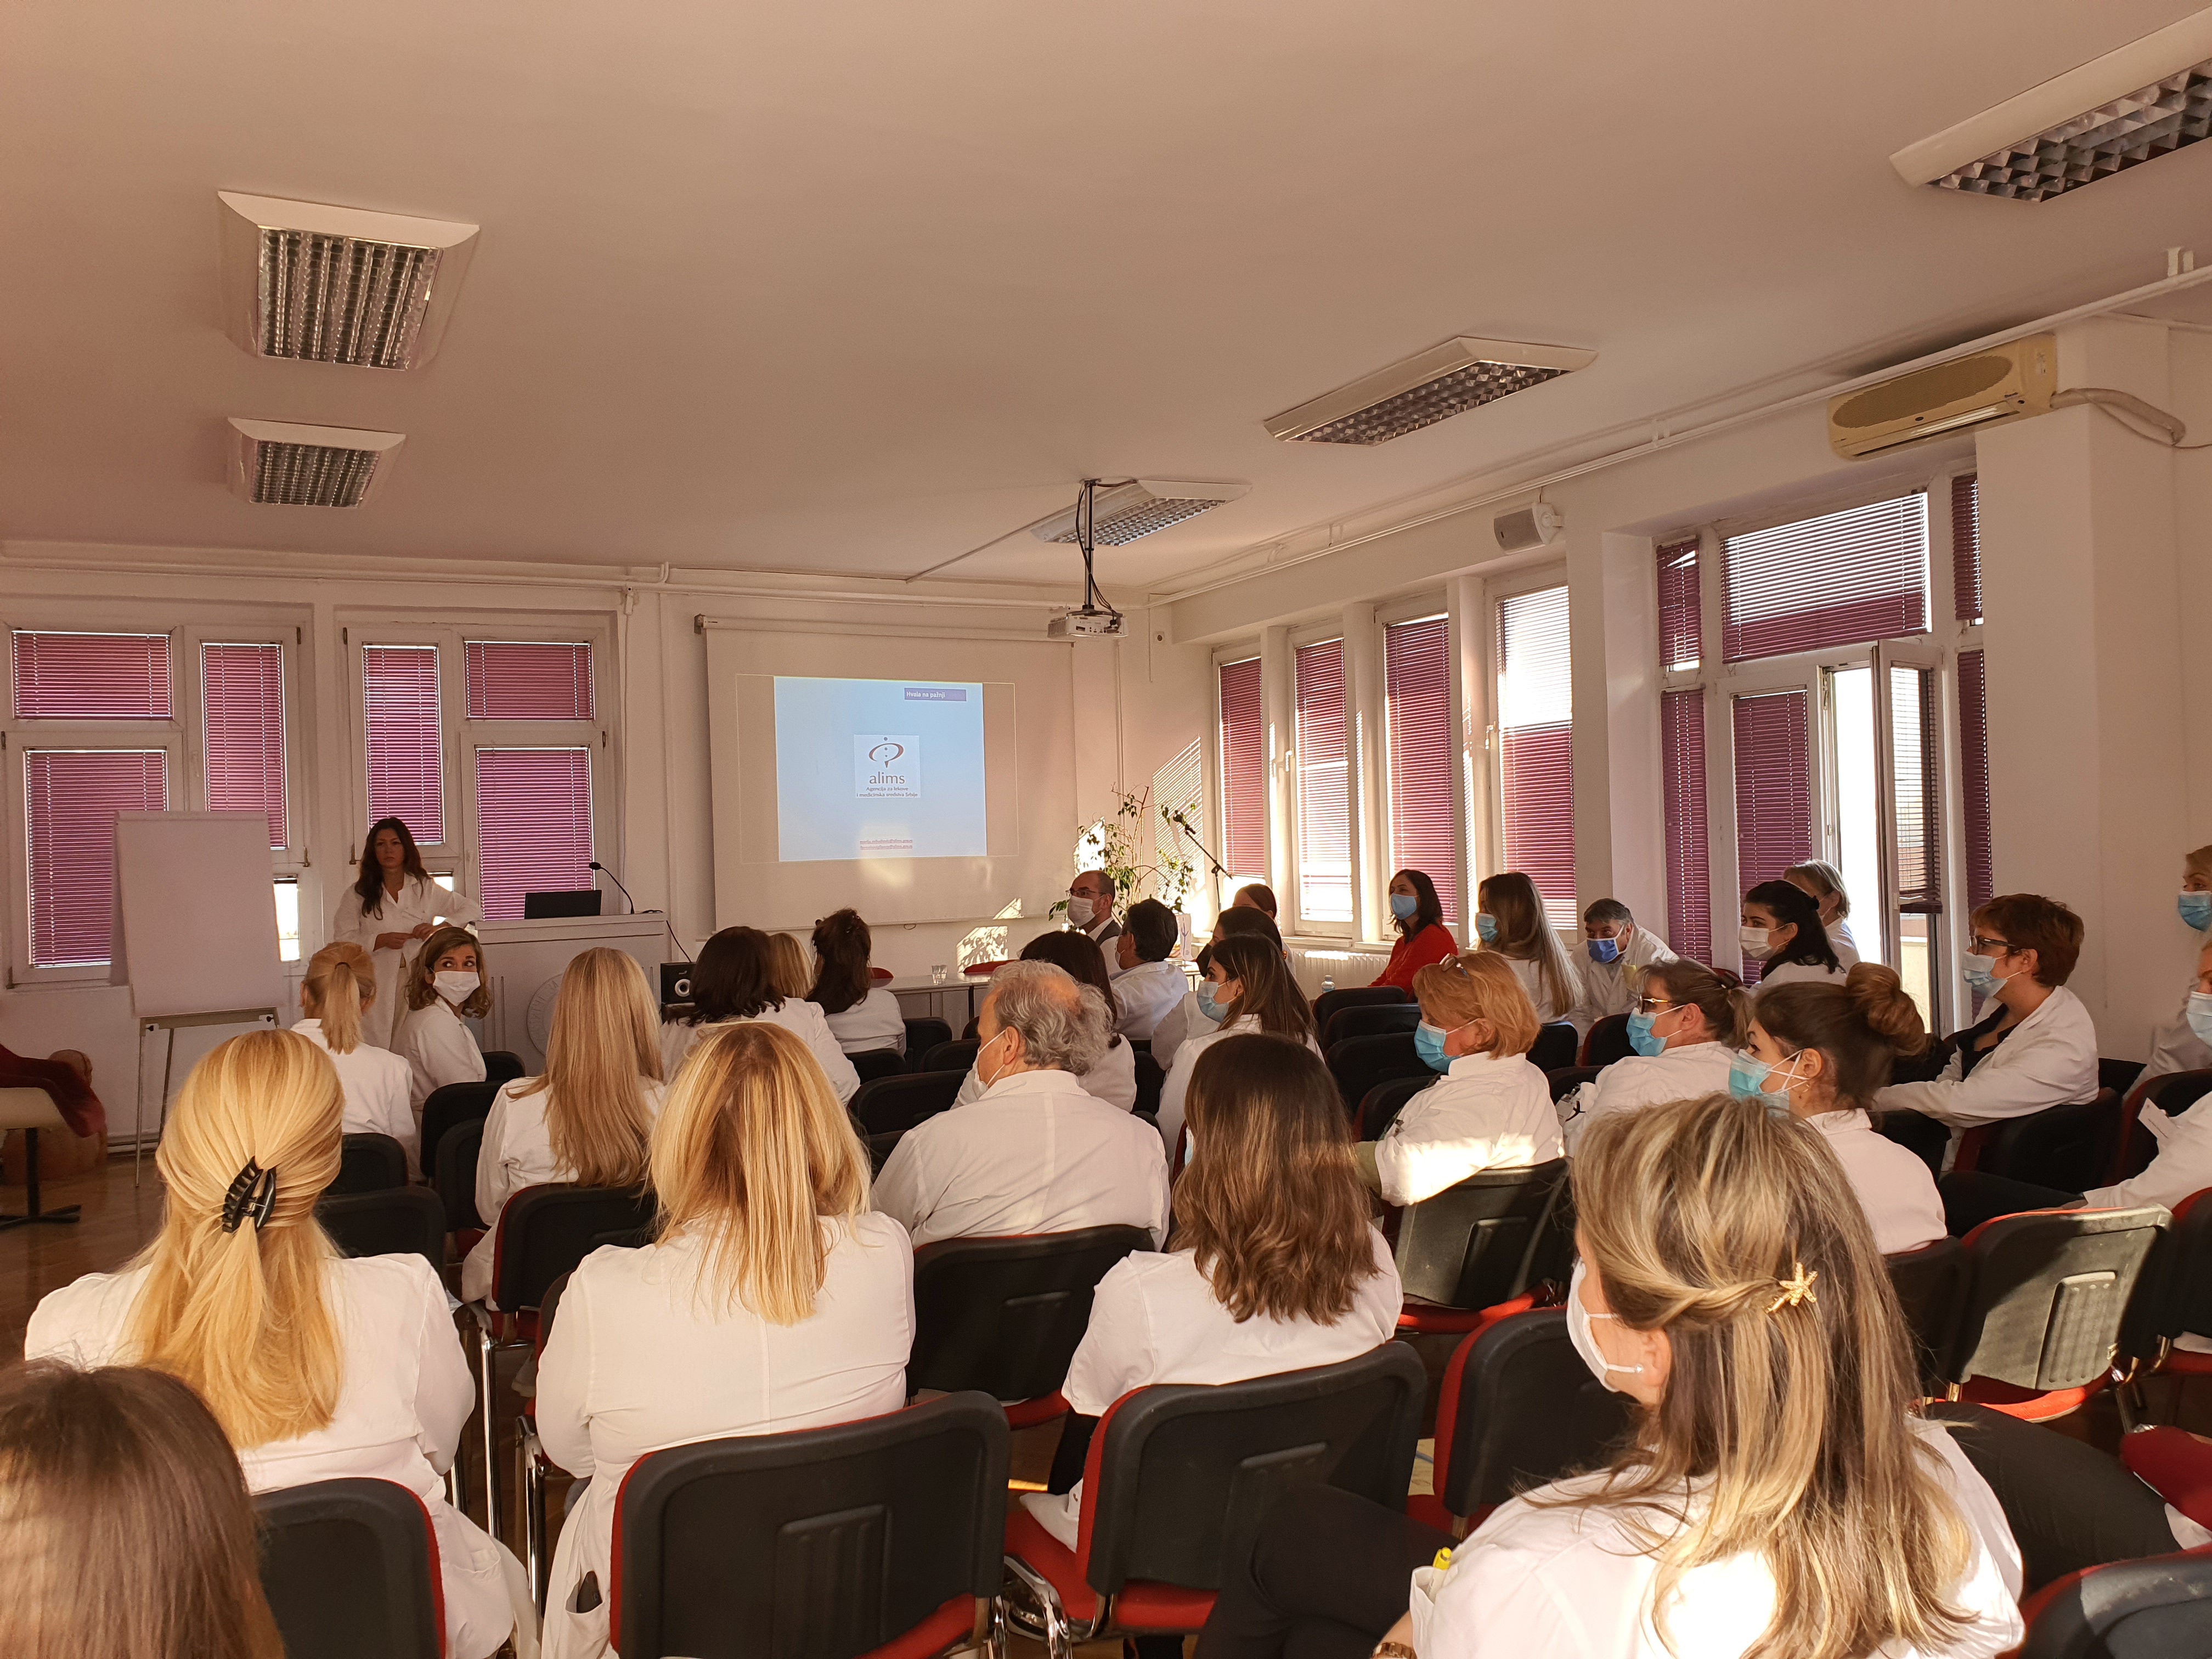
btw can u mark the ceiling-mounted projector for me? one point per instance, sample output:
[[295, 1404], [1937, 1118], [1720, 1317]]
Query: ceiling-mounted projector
[[1090, 622]]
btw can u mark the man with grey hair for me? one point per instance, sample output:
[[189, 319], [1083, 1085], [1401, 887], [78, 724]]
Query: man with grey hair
[[1034, 1152]]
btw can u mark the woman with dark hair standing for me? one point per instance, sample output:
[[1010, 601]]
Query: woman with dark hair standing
[[1782, 932], [1247, 987], [1114, 1078], [1419, 915], [861, 1017], [391, 908], [735, 979]]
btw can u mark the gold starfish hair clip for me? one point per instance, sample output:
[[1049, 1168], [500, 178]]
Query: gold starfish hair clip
[[1797, 1288]]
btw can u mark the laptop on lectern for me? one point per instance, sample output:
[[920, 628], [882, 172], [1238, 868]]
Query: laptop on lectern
[[583, 901]]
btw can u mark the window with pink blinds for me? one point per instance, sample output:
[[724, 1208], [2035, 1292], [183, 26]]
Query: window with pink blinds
[[1535, 746], [1680, 620], [1243, 771], [1841, 579], [1417, 686], [1967, 547], [534, 825], [528, 680], [405, 738], [1324, 797], [1774, 789], [242, 731], [70, 798], [92, 677], [1689, 872], [1974, 777]]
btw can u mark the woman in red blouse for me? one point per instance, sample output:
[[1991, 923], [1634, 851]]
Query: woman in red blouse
[[1422, 936]]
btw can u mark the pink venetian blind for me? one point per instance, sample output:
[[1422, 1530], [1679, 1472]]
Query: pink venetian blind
[[1243, 771], [92, 677], [70, 798], [1536, 733], [528, 680], [1324, 796], [534, 825], [1689, 872], [1841, 579], [1679, 618], [1974, 777], [1967, 547], [1774, 789], [405, 738], [242, 729], [1417, 686]]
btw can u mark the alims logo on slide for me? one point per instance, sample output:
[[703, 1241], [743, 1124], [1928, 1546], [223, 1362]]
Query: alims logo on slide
[[886, 766]]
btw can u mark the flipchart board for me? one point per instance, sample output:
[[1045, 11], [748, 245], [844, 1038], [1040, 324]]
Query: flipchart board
[[195, 914]]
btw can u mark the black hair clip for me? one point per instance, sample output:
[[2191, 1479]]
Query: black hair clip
[[252, 1193]]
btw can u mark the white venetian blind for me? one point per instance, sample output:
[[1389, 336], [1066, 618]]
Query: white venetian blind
[[1535, 737], [1324, 800], [1417, 684]]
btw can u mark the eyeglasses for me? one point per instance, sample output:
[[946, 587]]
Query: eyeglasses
[[1989, 947], [1652, 1005]]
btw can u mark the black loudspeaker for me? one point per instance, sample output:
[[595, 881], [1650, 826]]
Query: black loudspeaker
[[675, 982], [581, 902]]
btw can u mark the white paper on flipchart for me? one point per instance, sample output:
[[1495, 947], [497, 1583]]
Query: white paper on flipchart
[[195, 914]]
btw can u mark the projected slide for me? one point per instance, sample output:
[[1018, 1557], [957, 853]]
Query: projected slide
[[879, 769]]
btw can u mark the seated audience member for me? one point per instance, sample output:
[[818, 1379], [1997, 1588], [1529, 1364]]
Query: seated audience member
[[1512, 922], [319, 1366], [1781, 933], [1184, 1020], [861, 1015], [1730, 1287], [1689, 1022], [1247, 987], [1419, 915], [734, 980], [1619, 951], [445, 989], [1150, 983], [589, 1119], [1112, 1076], [124, 1522], [773, 1300], [1825, 1049], [791, 969], [2036, 1047], [1491, 1110], [1823, 883], [1256, 896], [1090, 907], [1273, 1265], [2176, 1045], [340, 984], [1034, 1152]]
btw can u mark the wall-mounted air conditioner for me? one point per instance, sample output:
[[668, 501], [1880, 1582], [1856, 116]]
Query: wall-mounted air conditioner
[[2001, 384]]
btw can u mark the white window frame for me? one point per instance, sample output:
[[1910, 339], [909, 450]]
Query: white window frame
[[1495, 592]]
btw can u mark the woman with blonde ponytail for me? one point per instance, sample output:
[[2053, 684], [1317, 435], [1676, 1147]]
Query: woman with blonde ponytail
[[335, 995], [317, 1366]]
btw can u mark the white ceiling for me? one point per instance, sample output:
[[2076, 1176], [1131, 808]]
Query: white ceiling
[[856, 287]]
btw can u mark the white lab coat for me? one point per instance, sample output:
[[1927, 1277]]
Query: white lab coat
[[1551, 1582], [874, 1022], [438, 1049], [2049, 1059], [1577, 1012], [1155, 1319], [1174, 1091], [1894, 1185], [403, 1399], [1841, 942], [1147, 993], [2182, 1165], [417, 902], [1689, 1071], [1113, 1079], [799, 1017], [2173, 1046], [518, 1152], [1487, 1112], [1176, 1027], [376, 1081], [1800, 973], [637, 1362], [1606, 988], [1036, 1153]]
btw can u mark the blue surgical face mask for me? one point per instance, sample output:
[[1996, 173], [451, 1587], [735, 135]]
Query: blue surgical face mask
[[1605, 949], [1486, 927], [1428, 1044], [2195, 909], [1747, 1075], [1404, 905], [2200, 1015], [1642, 1038], [1980, 974], [1206, 1005]]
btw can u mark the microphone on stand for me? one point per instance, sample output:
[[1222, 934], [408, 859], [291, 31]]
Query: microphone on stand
[[682, 954]]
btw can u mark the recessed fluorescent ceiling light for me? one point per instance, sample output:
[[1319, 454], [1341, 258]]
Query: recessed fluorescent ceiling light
[[276, 463], [2132, 106], [339, 285], [1121, 513], [1449, 380]]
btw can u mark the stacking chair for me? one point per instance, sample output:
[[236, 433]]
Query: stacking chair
[[369, 1163], [2068, 1147], [2173, 1094], [922, 1035], [457, 1102], [950, 1056], [33, 1111], [879, 1538], [1607, 1042], [900, 1102], [2174, 1296], [1005, 1315], [1178, 1480], [1328, 1004], [872, 1063], [351, 1571], [501, 1066], [530, 1452], [454, 1176], [1368, 1019], [1557, 1046], [1382, 1103], [1918, 1133], [1469, 1256], [1359, 1063], [1931, 1285], [1150, 1079], [395, 1221], [1568, 1079]]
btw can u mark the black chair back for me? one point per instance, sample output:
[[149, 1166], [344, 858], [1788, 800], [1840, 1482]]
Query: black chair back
[[1557, 1046], [1005, 1315], [2049, 1293], [454, 1175], [545, 1232], [828, 1543], [880, 1148], [389, 1223], [2174, 1294], [1482, 1242], [1568, 1079], [1150, 1079], [2145, 1609], [950, 1056], [1329, 1003], [890, 1105], [369, 1163], [1607, 1042], [457, 1102], [350, 1569], [922, 1035], [1931, 1285], [2118, 1075], [1368, 1019], [1359, 1063], [1918, 1133], [1187, 1472], [872, 1063], [1524, 1409], [502, 1066], [1382, 1103], [2173, 1094], [2068, 1147]]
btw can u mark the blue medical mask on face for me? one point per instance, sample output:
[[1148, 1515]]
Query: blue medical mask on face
[[2200, 1015], [2195, 909], [1980, 974], [1428, 1044], [1206, 1005], [1605, 949], [1642, 1038], [1404, 906], [1747, 1075], [1486, 927]]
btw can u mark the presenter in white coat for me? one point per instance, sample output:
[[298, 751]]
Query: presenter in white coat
[[445, 989], [1111, 1078], [1248, 989], [1618, 951], [319, 1367], [335, 995], [748, 1315], [389, 911], [1689, 1021], [2036, 1047], [1782, 934], [2175, 1045], [1147, 983], [735, 979]]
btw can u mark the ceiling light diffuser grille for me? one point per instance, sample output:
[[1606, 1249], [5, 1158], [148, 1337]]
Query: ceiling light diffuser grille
[[275, 464], [1123, 513], [1449, 380], [2147, 124]]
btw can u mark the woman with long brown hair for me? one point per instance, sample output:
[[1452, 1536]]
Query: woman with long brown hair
[[337, 993], [1247, 987], [317, 1366], [589, 1119], [1512, 922], [862, 1016], [392, 906]]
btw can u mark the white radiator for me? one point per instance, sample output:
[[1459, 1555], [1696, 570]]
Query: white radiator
[[1310, 964]]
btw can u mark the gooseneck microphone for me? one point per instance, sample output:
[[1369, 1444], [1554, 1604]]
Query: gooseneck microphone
[[682, 954], [617, 881]]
